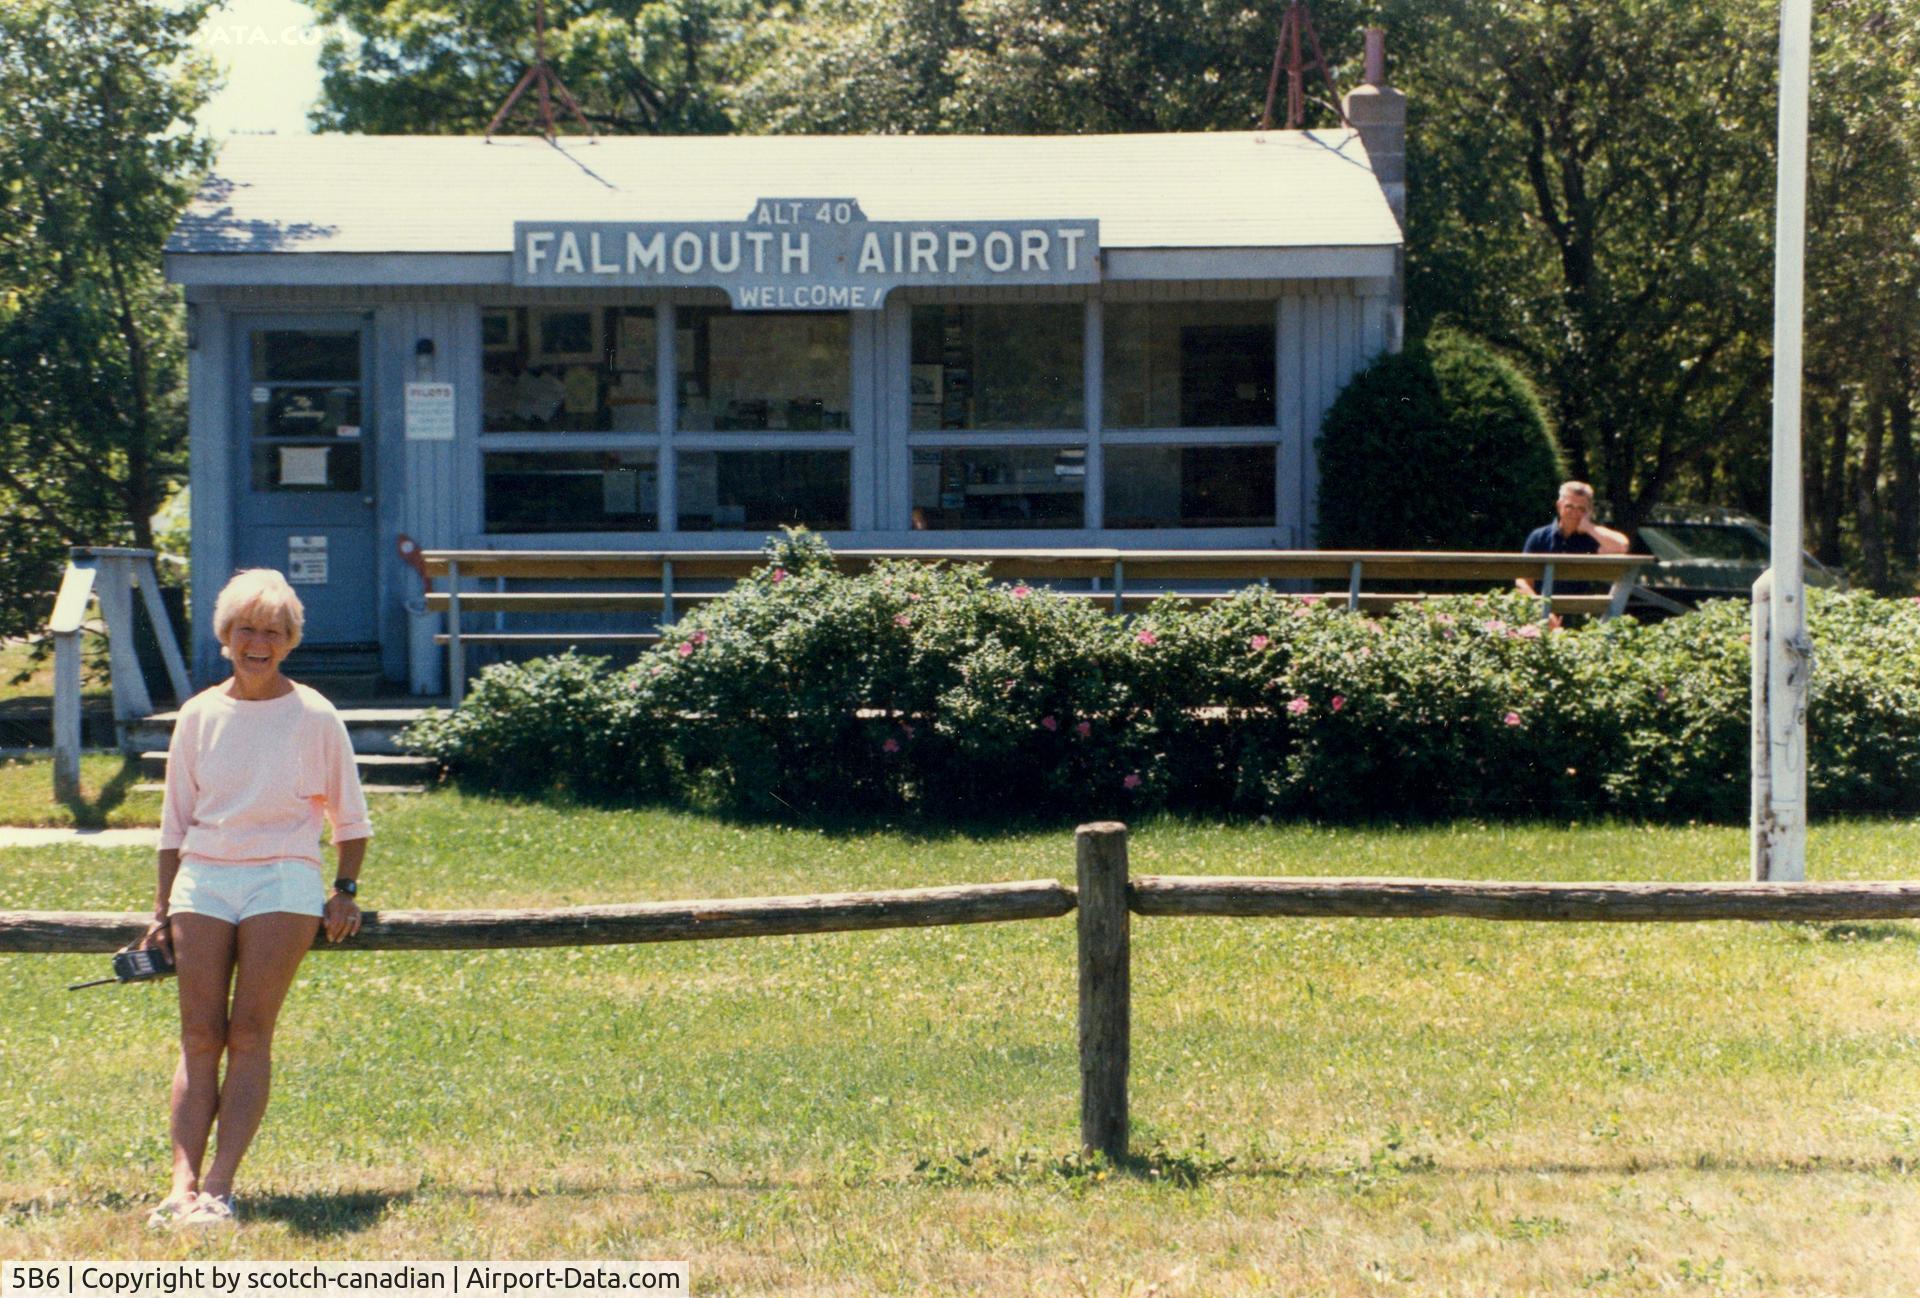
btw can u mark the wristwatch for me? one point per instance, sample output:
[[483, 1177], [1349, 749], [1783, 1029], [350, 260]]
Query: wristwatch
[[349, 886]]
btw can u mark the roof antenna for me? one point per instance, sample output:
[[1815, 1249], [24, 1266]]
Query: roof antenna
[[538, 73], [1294, 24]]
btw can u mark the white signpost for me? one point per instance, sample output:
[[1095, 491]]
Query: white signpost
[[1782, 654]]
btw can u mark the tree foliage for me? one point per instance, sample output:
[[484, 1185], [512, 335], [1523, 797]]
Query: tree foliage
[[96, 163]]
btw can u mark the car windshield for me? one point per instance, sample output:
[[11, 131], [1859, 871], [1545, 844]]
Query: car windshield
[[1705, 541]]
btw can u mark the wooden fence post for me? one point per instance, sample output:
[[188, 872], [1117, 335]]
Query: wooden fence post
[[1100, 851]]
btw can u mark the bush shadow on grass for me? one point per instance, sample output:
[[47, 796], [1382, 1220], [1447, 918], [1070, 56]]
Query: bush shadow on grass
[[91, 813], [322, 1214]]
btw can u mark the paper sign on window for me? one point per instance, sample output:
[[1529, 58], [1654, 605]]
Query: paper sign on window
[[303, 466]]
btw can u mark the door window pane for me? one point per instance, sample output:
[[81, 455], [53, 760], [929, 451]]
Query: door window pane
[[998, 366], [309, 411], [1189, 486], [573, 491], [1189, 365], [999, 486], [725, 491], [569, 369], [306, 355], [757, 371]]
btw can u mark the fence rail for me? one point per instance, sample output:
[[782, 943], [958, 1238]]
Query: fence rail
[[1104, 900], [1112, 570]]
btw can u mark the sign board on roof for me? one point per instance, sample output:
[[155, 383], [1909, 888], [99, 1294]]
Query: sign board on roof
[[804, 254]]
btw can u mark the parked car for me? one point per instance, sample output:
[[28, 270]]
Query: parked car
[[1710, 554]]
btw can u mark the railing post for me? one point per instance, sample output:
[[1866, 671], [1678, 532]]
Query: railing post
[[1100, 852], [666, 593], [1119, 586], [1546, 592], [69, 611], [1353, 587], [456, 655]]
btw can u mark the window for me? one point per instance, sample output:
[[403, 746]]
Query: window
[[569, 369], [304, 404], [999, 486], [998, 367], [727, 491], [1189, 365], [1189, 486], [577, 491], [763, 371]]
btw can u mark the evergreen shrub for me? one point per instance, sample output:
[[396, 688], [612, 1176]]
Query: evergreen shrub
[[1444, 446]]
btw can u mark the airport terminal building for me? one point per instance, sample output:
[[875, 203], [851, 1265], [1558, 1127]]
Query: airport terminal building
[[682, 343]]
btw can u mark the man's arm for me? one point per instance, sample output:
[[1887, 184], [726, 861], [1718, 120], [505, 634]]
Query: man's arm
[[1611, 542]]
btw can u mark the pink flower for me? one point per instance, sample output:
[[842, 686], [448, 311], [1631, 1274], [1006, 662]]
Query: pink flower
[[1528, 632], [1021, 592], [686, 648], [1132, 781], [912, 597], [1512, 718], [901, 619], [1374, 627], [1049, 722], [1298, 705], [699, 637], [657, 669], [1257, 643], [1444, 619], [1493, 626], [1337, 702], [1084, 729], [1310, 600], [891, 746], [777, 576], [1147, 638]]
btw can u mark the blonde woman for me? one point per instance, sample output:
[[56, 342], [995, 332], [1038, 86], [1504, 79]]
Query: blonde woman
[[256, 762]]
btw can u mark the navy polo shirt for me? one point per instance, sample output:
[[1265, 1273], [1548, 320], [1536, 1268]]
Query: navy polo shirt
[[1551, 540]]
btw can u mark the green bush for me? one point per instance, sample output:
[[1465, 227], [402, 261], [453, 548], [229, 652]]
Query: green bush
[[930, 687], [1444, 446]]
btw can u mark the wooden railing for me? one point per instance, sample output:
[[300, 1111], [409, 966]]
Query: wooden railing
[[1105, 898], [1117, 578]]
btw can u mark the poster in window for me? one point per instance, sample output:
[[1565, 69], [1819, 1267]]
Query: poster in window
[[500, 330], [924, 384], [566, 336]]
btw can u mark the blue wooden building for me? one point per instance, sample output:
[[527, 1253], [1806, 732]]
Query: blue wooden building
[[677, 343]]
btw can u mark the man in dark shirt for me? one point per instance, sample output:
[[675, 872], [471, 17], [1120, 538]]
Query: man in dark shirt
[[1573, 532]]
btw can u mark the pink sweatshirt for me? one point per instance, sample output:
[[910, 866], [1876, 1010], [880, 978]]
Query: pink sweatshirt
[[249, 780]]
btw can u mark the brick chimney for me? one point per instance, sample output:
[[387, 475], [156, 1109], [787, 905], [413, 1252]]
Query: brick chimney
[[1379, 113]]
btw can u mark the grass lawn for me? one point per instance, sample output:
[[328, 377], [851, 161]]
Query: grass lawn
[[1339, 1107]]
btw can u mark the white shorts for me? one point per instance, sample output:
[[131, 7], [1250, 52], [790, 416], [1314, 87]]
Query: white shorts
[[237, 892]]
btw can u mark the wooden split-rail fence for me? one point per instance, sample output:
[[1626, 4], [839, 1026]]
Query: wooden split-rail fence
[[518, 582], [1105, 898]]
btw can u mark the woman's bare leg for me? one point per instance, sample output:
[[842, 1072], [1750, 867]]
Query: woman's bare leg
[[270, 948], [203, 954]]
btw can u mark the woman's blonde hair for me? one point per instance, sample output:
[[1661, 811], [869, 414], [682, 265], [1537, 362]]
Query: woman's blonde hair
[[257, 590]]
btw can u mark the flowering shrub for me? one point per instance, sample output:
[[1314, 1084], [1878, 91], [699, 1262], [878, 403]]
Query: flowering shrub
[[932, 687]]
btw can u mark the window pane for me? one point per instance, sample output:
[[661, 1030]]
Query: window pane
[[1190, 486], [999, 486], [789, 372], [325, 466], [999, 366], [306, 411], [756, 491], [1189, 365], [569, 369], [307, 355], [574, 491]]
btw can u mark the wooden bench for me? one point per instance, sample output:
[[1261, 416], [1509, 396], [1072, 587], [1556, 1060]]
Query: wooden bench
[[1110, 571]]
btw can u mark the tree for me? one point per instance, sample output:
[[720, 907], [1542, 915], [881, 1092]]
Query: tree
[[96, 165], [429, 67]]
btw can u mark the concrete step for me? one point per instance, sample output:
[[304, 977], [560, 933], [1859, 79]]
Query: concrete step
[[373, 729], [375, 768]]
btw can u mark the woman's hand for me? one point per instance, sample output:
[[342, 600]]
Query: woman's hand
[[158, 934], [342, 918]]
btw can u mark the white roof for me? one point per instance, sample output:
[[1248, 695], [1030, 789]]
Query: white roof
[[462, 194]]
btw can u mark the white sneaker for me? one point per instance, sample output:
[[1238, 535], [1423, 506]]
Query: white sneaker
[[211, 1210], [172, 1210]]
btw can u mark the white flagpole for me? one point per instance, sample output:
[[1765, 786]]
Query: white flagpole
[[1780, 798]]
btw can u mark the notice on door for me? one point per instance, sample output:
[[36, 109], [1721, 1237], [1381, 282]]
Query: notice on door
[[307, 560], [429, 412]]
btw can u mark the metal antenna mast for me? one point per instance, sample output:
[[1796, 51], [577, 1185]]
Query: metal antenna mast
[[538, 74], [1295, 25]]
